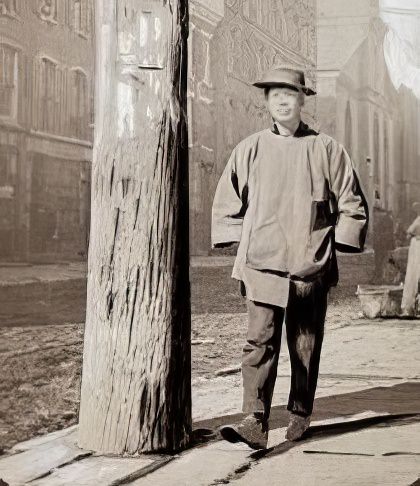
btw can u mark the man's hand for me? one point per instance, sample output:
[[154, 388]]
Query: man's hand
[[225, 248]]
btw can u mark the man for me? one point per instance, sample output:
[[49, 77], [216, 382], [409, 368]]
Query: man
[[290, 197], [412, 277]]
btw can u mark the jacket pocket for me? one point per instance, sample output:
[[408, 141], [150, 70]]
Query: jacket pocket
[[321, 215]]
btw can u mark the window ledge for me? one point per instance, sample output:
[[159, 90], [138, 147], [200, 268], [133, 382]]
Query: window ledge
[[10, 123], [61, 138], [10, 15]]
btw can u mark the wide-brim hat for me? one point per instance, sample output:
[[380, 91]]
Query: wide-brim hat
[[285, 76]]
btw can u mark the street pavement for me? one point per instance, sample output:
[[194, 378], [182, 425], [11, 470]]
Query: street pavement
[[365, 429], [357, 354], [366, 423]]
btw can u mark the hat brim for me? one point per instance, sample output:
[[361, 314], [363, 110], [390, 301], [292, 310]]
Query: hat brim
[[272, 84]]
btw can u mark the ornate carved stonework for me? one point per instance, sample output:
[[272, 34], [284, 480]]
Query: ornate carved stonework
[[290, 22], [271, 18], [264, 33], [48, 10], [250, 54], [8, 8]]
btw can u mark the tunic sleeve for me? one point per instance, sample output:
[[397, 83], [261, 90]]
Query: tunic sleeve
[[414, 229], [231, 199], [353, 214]]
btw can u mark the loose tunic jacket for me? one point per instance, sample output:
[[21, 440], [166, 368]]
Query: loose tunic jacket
[[289, 201]]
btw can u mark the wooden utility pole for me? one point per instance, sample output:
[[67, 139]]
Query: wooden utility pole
[[136, 380]]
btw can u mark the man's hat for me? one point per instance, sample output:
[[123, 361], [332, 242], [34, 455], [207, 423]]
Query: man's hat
[[285, 76]]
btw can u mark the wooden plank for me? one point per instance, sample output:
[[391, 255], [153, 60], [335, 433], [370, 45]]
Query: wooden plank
[[201, 466], [70, 432], [37, 462], [95, 471]]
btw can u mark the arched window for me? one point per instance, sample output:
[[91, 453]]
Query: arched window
[[8, 81]]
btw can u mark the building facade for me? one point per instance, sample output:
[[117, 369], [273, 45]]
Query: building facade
[[46, 75], [341, 27], [376, 122], [46, 93], [232, 42]]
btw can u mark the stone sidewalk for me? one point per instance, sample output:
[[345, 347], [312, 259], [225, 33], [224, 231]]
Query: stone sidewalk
[[358, 354], [365, 427]]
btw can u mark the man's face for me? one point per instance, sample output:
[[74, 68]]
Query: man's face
[[284, 104]]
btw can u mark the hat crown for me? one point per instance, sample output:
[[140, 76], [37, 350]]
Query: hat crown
[[284, 75]]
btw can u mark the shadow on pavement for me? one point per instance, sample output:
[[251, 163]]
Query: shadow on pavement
[[320, 432], [392, 403]]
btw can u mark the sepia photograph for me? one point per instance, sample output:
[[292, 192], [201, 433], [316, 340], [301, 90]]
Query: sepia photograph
[[209, 242]]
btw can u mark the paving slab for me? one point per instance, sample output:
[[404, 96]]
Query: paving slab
[[69, 432], [360, 458], [96, 471], [395, 440], [200, 467], [40, 459], [220, 462]]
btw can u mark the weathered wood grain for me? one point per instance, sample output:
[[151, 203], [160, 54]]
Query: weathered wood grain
[[136, 382]]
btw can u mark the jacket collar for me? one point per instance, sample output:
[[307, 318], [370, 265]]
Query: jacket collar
[[303, 130]]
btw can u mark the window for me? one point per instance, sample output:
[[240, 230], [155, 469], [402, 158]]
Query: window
[[48, 10], [8, 81], [80, 105], [81, 16], [49, 95], [8, 7]]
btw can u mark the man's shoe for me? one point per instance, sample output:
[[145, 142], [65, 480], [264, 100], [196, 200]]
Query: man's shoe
[[297, 426], [253, 431]]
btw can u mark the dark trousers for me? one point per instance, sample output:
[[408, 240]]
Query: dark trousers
[[304, 317]]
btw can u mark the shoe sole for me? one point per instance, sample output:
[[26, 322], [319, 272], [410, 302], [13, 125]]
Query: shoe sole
[[230, 434]]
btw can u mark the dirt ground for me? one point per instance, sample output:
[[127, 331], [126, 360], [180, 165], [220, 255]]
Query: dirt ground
[[41, 365]]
